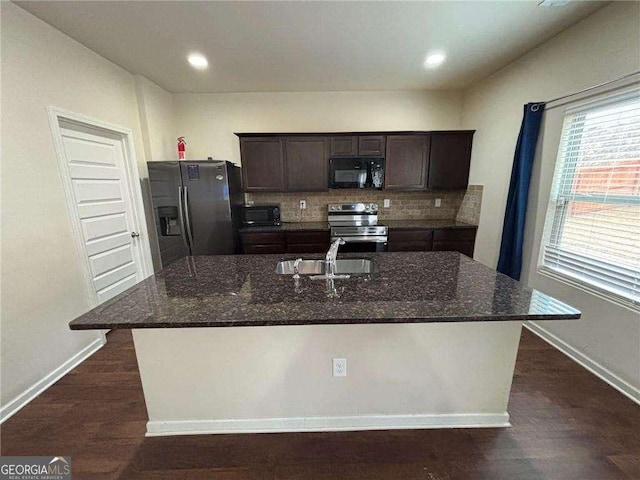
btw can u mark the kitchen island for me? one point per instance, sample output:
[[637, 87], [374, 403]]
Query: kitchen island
[[430, 340]]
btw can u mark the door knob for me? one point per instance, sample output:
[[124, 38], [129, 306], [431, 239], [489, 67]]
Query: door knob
[[134, 234]]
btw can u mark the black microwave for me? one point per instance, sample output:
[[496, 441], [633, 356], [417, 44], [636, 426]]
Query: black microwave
[[356, 172], [260, 215]]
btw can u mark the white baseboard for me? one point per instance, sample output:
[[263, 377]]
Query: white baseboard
[[594, 367], [40, 386], [326, 424]]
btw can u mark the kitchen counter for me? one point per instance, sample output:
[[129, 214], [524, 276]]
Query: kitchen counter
[[431, 339], [244, 290]]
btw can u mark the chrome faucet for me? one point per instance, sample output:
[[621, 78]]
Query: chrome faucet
[[331, 256], [296, 268], [296, 276], [330, 264]]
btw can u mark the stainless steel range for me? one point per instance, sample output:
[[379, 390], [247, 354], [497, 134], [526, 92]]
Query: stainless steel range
[[357, 225]]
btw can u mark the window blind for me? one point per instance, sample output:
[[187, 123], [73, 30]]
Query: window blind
[[592, 228]]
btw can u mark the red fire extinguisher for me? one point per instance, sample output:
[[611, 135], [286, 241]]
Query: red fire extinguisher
[[182, 145]]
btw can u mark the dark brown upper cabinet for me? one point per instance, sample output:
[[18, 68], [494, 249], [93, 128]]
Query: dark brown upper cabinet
[[262, 164], [357, 146], [449, 160], [406, 162], [343, 146], [371, 145], [306, 164], [297, 162]]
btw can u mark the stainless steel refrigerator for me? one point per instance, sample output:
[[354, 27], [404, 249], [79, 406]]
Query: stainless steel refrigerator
[[194, 205]]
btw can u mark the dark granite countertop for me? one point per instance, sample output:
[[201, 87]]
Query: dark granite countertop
[[393, 224], [418, 224], [244, 290]]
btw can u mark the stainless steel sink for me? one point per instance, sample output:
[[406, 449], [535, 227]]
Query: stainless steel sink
[[351, 266]]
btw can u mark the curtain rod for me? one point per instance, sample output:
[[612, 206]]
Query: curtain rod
[[594, 87]]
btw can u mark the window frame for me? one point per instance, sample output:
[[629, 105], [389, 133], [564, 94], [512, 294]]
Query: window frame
[[557, 208]]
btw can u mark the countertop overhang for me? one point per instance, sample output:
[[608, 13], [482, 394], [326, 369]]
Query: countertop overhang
[[244, 290]]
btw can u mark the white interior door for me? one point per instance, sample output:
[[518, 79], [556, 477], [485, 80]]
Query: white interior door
[[103, 204]]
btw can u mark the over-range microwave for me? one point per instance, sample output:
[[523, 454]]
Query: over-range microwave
[[356, 172], [260, 215]]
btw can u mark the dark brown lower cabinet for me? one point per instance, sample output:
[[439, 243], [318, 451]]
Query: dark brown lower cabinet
[[314, 241], [455, 240], [263, 249], [308, 241], [446, 239], [317, 241], [263, 242], [410, 240]]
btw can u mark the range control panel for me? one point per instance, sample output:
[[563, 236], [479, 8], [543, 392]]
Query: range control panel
[[353, 208]]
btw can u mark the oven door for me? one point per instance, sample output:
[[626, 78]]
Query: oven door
[[363, 244]]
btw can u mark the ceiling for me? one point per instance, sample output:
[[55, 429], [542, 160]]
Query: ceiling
[[309, 46]]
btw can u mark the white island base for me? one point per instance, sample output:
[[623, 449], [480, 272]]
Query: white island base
[[279, 379]]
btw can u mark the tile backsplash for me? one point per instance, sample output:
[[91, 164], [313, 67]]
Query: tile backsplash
[[455, 204], [469, 211]]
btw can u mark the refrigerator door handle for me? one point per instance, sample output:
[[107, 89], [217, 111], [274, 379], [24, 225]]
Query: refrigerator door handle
[[186, 216], [181, 217]]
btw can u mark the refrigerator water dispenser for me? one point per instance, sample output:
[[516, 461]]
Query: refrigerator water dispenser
[[169, 221]]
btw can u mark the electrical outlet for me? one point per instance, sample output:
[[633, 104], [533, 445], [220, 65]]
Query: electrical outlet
[[438, 202], [386, 203], [339, 367], [303, 204]]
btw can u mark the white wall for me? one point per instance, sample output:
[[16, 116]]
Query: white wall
[[603, 47], [156, 120], [42, 281], [210, 120]]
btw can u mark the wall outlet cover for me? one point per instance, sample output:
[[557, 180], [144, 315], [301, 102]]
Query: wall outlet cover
[[339, 367], [438, 202], [386, 203], [303, 204]]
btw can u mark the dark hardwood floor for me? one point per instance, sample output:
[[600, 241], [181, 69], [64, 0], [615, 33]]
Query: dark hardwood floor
[[567, 424]]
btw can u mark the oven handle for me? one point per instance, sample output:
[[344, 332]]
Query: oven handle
[[363, 239]]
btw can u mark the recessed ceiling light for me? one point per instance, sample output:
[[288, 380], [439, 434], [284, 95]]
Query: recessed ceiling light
[[434, 59], [198, 61]]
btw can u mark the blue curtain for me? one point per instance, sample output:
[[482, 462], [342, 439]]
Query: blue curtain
[[510, 261]]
